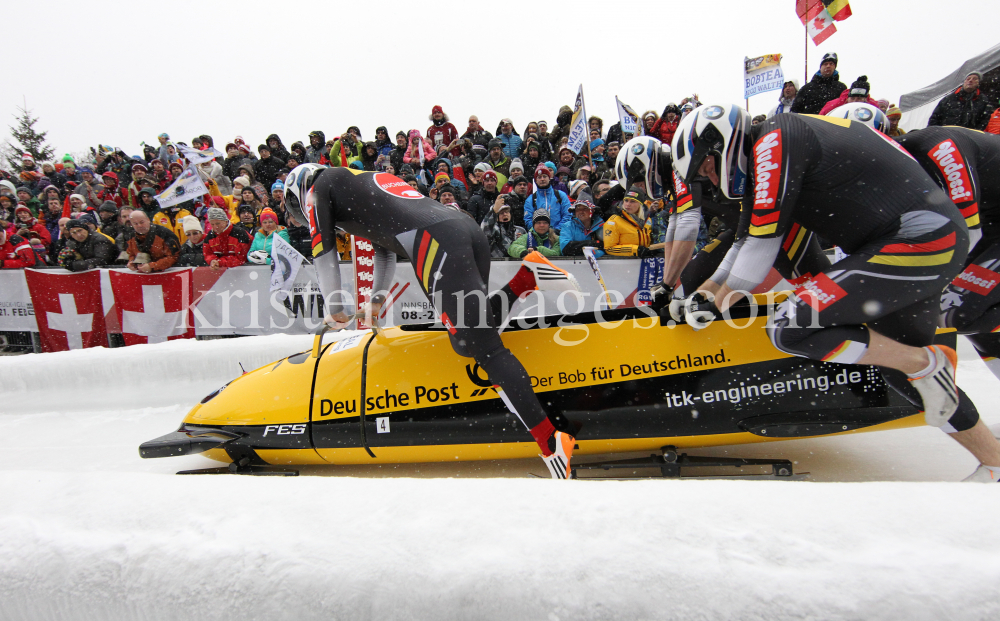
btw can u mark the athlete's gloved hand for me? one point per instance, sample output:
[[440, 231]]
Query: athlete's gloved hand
[[699, 310], [676, 308], [660, 294], [642, 252], [338, 321]]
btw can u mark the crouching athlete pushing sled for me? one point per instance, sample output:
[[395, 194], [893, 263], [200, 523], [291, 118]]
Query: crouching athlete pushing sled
[[451, 260], [905, 239]]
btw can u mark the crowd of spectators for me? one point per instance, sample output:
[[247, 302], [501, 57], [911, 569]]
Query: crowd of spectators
[[528, 190]]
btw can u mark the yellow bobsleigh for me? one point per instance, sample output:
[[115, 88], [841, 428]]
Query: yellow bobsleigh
[[633, 381]]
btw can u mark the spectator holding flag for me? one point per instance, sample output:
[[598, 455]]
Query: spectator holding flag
[[787, 99], [260, 249]]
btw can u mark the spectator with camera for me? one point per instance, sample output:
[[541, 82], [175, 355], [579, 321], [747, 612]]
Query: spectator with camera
[[15, 251], [28, 226], [483, 200], [500, 227], [86, 249]]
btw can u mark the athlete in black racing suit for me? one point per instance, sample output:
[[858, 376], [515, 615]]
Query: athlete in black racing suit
[[966, 164], [861, 191], [451, 260]]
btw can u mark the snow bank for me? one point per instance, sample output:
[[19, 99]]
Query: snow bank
[[144, 375], [131, 547], [90, 531]]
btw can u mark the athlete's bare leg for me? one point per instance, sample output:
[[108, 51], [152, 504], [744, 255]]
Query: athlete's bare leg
[[981, 443]]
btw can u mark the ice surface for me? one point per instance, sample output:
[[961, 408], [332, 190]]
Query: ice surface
[[88, 530]]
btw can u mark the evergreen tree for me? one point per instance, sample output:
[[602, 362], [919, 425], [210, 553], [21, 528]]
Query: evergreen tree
[[26, 140]]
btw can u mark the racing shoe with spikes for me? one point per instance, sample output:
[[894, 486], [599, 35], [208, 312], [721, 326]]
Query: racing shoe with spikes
[[937, 385], [561, 445], [548, 277]]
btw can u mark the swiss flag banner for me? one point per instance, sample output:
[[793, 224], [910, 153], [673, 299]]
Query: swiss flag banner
[[153, 308], [68, 309]]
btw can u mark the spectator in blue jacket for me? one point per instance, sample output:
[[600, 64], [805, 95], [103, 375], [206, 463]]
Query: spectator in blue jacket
[[511, 141], [548, 198], [585, 228]]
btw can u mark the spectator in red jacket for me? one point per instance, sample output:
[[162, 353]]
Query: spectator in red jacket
[[665, 126], [226, 245], [111, 191], [28, 226], [15, 252], [441, 132]]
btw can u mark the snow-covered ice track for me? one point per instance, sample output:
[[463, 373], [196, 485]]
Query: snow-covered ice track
[[88, 530]]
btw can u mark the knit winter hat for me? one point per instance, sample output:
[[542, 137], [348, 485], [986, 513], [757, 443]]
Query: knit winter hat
[[831, 56], [268, 214], [894, 112], [489, 174], [516, 163], [243, 181], [441, 175], [576, 185], [277, 185], [190, 223], [245, 150], [108, 206], [215, 213], [860, 87], [540, 214], [141, 167], [542, 170], [79, 196], [483, 167], [27, 157]]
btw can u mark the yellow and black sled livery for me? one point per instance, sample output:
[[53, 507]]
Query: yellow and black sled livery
[[632, 382]]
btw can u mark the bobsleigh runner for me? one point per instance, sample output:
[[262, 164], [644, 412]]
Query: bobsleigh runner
[[634, 382]]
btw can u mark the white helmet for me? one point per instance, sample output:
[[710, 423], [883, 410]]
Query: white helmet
[[297, 185], [644, 158], [722, 131], [863, 113]]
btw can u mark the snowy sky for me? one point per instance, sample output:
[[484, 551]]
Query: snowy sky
[[120, 72]]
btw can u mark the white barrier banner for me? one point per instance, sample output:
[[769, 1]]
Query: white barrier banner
[[238, 300], [17, 313]]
